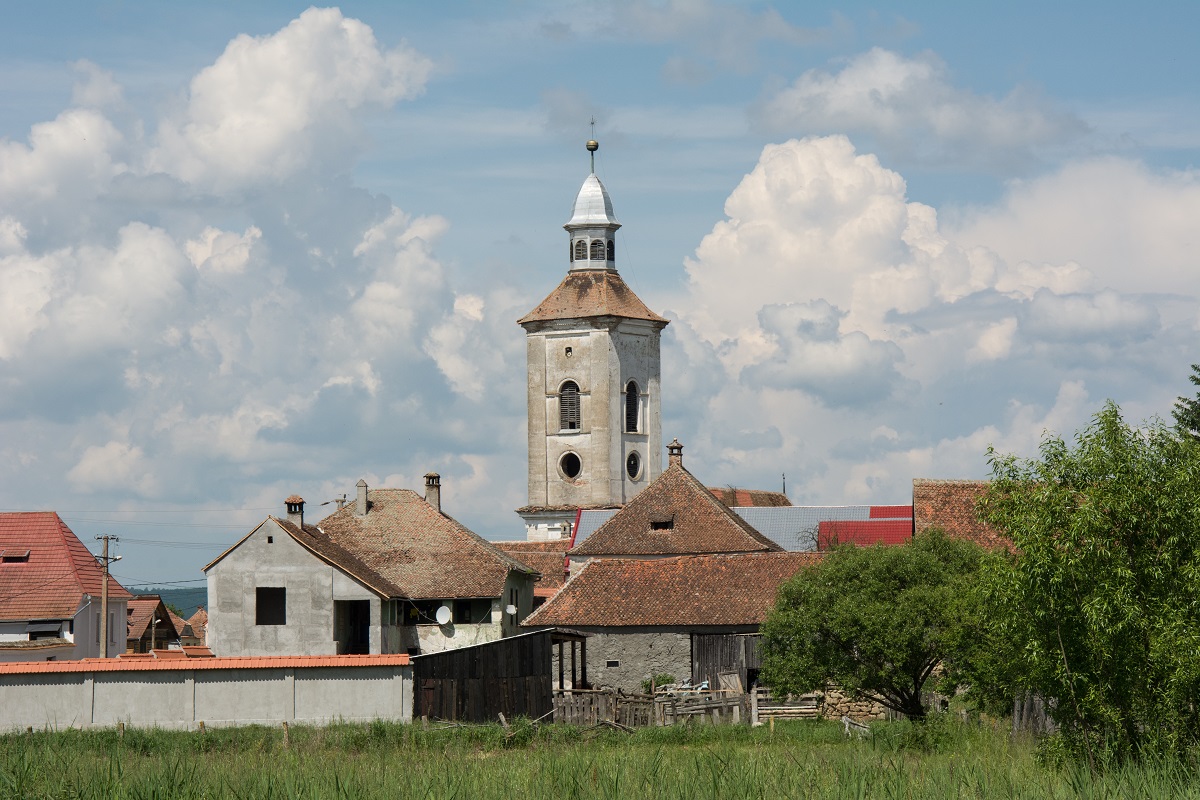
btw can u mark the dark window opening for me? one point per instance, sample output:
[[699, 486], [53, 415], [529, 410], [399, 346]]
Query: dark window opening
[[662, 524], [352, 626], [597, 249], [472, 612], [611, 251], [570, 465], [568, 407], [570, 251], [612, 663], [631, 407], [581, 250], [270, 605], [270, 540], [633, 466], [14, 556]]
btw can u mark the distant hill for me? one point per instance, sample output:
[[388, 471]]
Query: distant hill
[[186, 600]]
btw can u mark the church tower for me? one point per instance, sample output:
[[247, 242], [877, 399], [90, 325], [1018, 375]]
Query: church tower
[[592, 348]]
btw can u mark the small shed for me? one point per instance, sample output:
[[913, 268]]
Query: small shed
[[514, 676]]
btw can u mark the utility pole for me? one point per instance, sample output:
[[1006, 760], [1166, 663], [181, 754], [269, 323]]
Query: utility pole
[[104, 562]]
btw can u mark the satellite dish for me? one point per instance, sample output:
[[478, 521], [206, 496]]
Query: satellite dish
[[511, 609], [443, 615]]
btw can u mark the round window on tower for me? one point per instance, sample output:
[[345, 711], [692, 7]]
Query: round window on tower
[[633, 466], [570, 466]]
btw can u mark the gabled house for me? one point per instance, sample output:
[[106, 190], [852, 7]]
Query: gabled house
[[50, 593], [673, 516], [387, 573], [197, 624], [150, 625], [685, 616]]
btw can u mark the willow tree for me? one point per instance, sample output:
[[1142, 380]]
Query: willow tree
[[1099, 612]]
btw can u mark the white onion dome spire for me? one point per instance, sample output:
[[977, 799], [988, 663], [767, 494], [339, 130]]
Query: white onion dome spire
[[593, 224]]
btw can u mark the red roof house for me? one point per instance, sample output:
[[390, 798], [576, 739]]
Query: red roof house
[[50, 587]]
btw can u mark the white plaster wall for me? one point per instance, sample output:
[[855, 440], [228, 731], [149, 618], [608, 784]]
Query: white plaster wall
[[217, 697]]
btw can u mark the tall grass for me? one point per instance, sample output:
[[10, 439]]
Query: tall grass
[[383, 760]]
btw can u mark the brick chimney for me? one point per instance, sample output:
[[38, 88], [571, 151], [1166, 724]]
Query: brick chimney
[[675, 453], [295, 510], [360, 502], [433, 490]]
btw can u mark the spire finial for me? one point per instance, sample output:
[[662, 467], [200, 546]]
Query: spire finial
[[593, 145]]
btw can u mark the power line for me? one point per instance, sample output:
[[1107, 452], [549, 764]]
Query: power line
[[153, 524]]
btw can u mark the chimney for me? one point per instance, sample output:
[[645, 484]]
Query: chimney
[[360, 502], [295, 510], [675, 453], [433, 490]]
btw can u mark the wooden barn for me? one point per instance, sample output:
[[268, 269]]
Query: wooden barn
[[514, 676]]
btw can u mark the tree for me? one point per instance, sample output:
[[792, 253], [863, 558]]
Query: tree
[[1187, 410], [1100, 609], [875, 620]]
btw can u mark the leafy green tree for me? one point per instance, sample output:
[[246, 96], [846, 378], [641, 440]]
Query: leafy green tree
[[875, 620], [1187, 410], [1100, 610]]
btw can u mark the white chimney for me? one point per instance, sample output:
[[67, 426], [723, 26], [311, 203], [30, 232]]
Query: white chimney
[[433, 490], [295, 510], [360, 502]]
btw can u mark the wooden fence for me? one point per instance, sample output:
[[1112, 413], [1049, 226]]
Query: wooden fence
[[593, 707]]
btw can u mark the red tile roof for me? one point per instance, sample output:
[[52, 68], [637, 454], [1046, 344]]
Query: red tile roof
[[674, 515], [148, 663], [749, 498], [199, 623], [686, 590], [950, 505], [891, 512], [60, 569], [592, 293], [863, 533]]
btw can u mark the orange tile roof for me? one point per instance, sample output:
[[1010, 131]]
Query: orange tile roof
[[60, 569], [749, 498], [549, 559], [699, 523], [686, 590], [141, 610], [950, 505], [591, 293], [146, 663]]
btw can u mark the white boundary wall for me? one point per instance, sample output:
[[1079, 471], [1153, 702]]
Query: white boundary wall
[[184, 693]]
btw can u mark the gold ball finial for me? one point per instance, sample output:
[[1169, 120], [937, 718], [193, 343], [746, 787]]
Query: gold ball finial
[[593, 145]]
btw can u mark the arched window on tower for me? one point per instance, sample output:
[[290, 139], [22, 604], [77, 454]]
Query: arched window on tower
[[631, 407], [597, 249], [612, 251], [568, 406], [581, 249]]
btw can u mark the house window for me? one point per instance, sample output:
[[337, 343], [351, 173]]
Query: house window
[[597, 249], [581, 250], [662, 524], [270, 605], [631, 407], [611, 251], [568, 407], [472, 612], [612, 663], [421, 612], [570, 465]]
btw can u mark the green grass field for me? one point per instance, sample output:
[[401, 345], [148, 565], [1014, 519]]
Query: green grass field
[[383, 760]]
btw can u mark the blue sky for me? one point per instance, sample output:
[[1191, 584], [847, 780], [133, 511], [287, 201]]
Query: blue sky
[[251, 250]]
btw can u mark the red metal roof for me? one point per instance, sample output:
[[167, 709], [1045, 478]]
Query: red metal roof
[[60, 569], [863, 533], [240, 662], [891, 512]]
